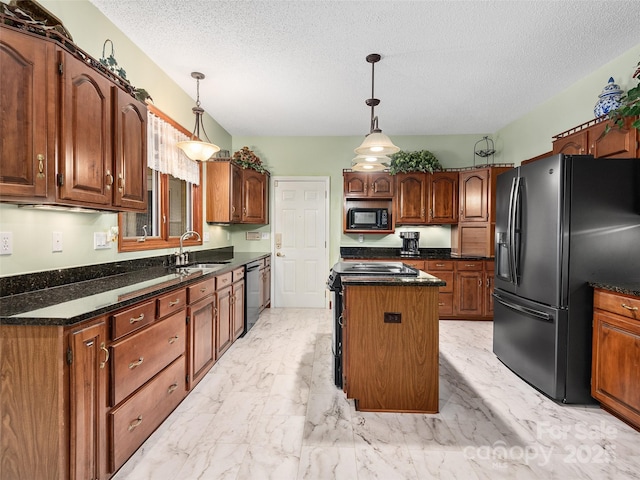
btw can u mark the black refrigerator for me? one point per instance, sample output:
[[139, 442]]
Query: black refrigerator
[[561, 222]]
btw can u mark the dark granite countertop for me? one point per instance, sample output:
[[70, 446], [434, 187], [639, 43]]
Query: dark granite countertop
[[422, 280], [632, 288], [80, 295], [394, 253]]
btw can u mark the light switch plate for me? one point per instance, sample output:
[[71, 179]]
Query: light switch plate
[[101, 241]]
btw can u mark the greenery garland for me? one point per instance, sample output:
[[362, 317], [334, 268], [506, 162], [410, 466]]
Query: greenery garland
[[420, 161], [629, 107]]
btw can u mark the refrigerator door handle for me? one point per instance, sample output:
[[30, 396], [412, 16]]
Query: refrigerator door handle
[[514, 210], [527, 311], [510, 238]]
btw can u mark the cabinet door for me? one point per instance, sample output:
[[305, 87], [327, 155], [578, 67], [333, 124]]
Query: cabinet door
[[235, 197], [574, 144], [85, 154], [88, 377], [617, 143], [27, 123], [469, 291], [355, 184], [380, 185], [254, 192], [237, 313], [474, 191], [411, 198], [443, 197], [202, 339], [130, 164], [223, 322], [219, 191]]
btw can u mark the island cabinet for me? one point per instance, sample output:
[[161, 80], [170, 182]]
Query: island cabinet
[[391, 347], [236, 194], [201, 320], [426, 198], [473, 287], [474, 235], [80, 140], [588, 139], [615, 372]]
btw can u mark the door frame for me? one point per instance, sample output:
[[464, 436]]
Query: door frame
[[327, 237]]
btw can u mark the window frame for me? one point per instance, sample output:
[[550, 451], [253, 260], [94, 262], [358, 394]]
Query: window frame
[[131, 244]]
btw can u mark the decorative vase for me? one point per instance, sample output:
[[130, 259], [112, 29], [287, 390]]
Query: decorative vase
[[609, 99]]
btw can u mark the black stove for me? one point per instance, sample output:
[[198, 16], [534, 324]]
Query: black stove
[[334, 284]]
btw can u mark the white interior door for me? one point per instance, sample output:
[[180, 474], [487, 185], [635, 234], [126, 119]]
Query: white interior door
[[300, 240]]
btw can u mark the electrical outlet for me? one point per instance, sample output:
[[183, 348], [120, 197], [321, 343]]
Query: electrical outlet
[[206, 237], [264, 235], [6, 243], [361, 238], [56, 242]]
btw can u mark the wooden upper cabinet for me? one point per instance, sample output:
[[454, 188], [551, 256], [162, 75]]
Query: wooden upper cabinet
[[411, 198], [85, 170], [130, 159], [255, 190], [474, 195], [588, 139], [76, 138], [443, 198], [236, 195], [27, 141], [360, 184]]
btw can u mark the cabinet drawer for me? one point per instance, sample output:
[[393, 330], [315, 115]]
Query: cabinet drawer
[[445, 304], [224, 280], [139, 357], [200, 290], [171, 302], [437, 265], [238, 274], [619, 304], [132, 319], [470, 265], [134, 420]]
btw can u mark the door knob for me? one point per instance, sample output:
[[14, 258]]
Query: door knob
[[279, 254]]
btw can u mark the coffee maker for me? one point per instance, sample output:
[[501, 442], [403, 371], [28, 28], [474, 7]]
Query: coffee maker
[[410, 244]]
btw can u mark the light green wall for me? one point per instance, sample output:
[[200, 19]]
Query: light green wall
[[285, 156], [531, 135]]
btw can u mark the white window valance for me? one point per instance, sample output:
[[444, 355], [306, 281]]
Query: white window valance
[[162, 153]]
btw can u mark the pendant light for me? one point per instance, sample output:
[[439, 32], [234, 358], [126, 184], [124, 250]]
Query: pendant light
[[194, 148], [376, 144]]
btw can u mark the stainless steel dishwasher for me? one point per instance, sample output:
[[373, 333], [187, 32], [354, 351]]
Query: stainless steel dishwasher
[[252, 285]]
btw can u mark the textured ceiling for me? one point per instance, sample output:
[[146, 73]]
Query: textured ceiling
[[448, 67]]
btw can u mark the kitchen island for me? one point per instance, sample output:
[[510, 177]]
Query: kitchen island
[[391, 342]]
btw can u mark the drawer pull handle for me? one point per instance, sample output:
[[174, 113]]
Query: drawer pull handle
[[136, 320], [106, 355], [172, 388], [173, 304], [173, 339], [439, 264], [629, 307], [136, 423], [203, 289], [469, 264], [441, 304], [133, 365]]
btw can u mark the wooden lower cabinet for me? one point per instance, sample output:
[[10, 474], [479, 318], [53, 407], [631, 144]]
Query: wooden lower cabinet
[[224, 293], [444, 270], [88, 403], [615, 372], [201, 314], [237, 303]]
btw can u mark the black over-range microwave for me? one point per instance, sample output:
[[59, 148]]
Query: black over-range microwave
[[368, 219]]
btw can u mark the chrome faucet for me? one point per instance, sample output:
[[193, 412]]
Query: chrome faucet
[[183, 258]]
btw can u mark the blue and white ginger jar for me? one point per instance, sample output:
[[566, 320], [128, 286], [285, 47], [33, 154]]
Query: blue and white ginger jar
[[609, 99]]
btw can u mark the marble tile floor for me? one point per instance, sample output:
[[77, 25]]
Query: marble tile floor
[[269, 410]]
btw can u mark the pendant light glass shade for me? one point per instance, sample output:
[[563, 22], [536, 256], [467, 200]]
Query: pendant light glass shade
[[194, 148], [368, 167], [377, 143], [370, 163]]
